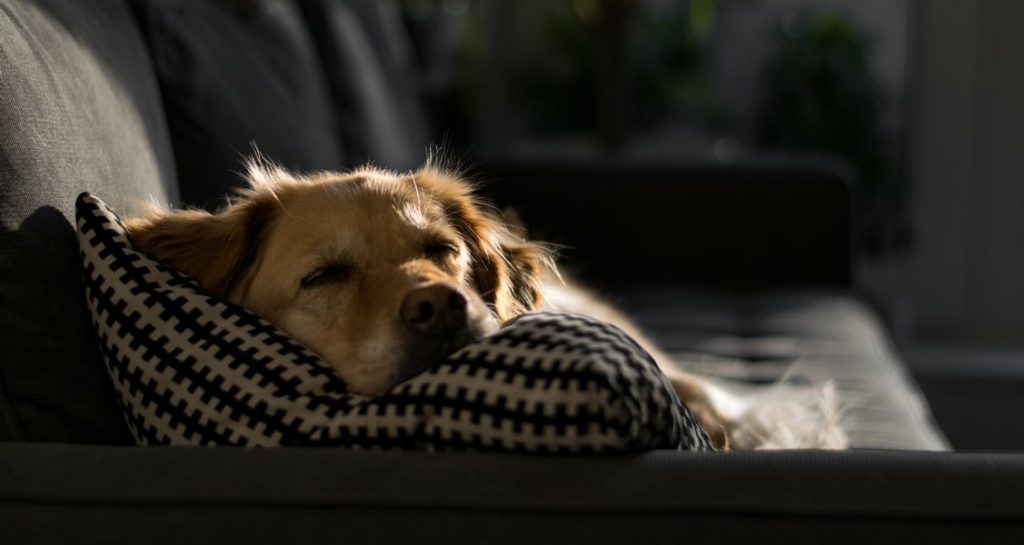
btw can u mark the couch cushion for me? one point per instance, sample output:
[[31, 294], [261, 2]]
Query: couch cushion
[[808, 337], [191, 369], [234, 74], [79, 110], [368, 63]]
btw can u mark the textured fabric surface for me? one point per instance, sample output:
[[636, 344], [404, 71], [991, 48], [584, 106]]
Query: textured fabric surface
[[79, 111], [806, 337], [234, 75], [368, 63], [312, 495], [191, 369]]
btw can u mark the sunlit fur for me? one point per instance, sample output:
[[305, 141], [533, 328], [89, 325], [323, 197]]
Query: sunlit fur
[[259, 247]]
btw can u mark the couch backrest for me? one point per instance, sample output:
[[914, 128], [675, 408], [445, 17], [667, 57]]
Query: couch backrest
[[79, 110], [236, 74], [127, 98], [367, 59]]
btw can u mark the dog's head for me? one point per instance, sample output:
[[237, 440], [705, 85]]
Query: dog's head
[[380, 274]]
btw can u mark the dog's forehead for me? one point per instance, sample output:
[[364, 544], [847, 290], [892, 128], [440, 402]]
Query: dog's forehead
[[358, 214], [383, 193]]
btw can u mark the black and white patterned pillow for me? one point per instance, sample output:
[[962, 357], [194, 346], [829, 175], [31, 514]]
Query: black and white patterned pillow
[[192, 369]]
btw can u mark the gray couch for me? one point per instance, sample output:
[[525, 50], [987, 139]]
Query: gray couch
[[121, 98]]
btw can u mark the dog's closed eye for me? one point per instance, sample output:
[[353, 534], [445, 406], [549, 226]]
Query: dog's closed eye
[[330, 273], [440, 249]]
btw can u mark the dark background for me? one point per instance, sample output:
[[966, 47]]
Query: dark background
[[924, 99]]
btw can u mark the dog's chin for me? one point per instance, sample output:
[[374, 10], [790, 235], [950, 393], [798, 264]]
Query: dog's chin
[[423, 353]]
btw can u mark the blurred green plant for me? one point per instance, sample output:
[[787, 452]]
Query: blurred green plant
[[664, 50], [820, 95], [668, 59], [558, 89]]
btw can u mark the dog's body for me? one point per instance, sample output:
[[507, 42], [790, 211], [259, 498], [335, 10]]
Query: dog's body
[[382, 274]]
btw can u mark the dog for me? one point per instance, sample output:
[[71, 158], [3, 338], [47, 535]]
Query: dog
[[381, 274]]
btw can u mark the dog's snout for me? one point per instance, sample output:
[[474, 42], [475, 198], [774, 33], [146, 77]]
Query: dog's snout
[[435, 309]]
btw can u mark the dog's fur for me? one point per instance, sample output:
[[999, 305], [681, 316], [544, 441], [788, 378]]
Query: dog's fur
[[381, 274]]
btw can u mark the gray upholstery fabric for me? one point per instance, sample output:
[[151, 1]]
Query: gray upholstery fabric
[[810, 336], [367, 60], [234, 74], [78, 111], [129, 495]]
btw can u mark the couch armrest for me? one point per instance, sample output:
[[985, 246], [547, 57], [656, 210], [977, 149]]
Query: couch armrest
[[56, 493], [756, 224]]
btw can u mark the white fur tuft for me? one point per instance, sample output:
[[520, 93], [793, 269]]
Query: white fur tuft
[[790, 416], [262, 173]]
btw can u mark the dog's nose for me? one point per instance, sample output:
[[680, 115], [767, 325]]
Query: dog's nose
[[435, 309]]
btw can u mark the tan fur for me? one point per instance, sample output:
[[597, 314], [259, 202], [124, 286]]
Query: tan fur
[[258, 249], [507, 269]]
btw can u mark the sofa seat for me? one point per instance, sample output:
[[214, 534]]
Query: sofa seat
[[806, 336], [75, 493]]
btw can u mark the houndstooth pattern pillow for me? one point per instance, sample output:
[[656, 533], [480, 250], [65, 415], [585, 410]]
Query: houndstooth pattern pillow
[[192, 369]]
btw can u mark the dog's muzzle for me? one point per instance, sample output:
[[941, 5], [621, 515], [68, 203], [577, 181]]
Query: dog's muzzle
[[436, 310], [442, 319]]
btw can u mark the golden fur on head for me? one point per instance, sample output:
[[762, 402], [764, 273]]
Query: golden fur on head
[[381, 274], [507, 269], [362, 267]]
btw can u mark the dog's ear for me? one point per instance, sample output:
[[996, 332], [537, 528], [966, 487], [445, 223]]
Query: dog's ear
[[507, 269], [509, 276], [218, 250]]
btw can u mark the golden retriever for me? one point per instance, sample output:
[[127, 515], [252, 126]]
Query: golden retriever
[[380, 273]]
